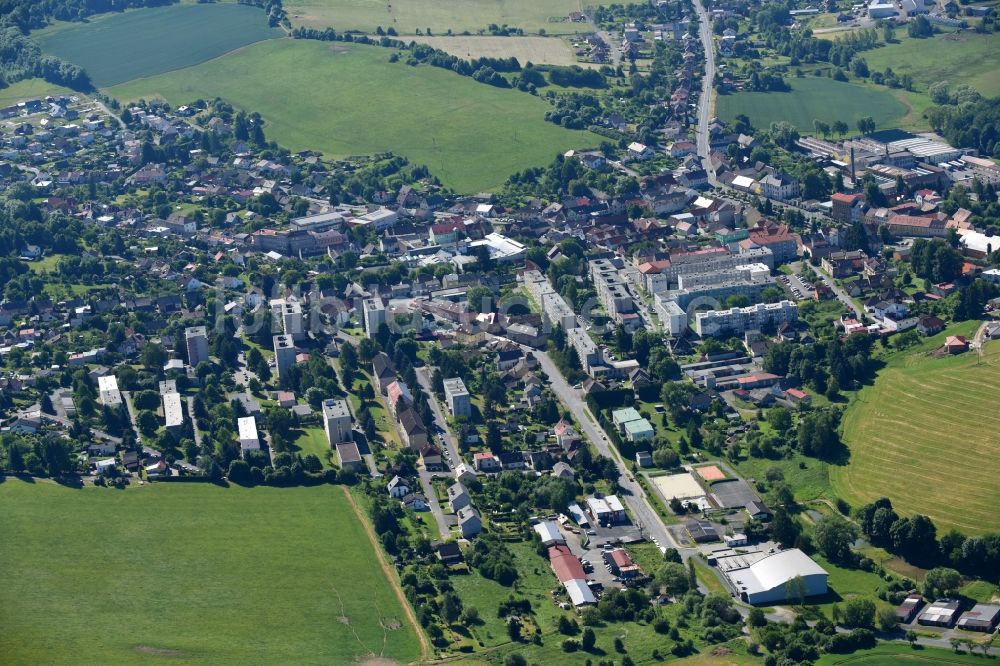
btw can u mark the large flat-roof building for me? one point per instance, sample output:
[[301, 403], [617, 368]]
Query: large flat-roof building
[[941, 613], [196, 343], [337, 421], [107, 387], [289, 312], [284, 353], [173, 414], [249, 440], [982, 617], [767, 579], [373, 315], [457, 397], [737, 321]]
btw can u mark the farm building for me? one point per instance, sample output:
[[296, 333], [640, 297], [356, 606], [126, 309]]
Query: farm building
[[941, 613], [549, 533], [766, 580], [982, 617], [569, 571], [908, 610]]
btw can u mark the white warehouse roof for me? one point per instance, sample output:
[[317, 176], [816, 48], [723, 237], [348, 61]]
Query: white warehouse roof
[[765, 579], [549, 533], [579, 592]]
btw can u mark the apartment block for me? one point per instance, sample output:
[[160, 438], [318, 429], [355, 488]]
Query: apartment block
[[457, 397], [373, 315], [337, 421], [736, 321], [284, 353], [196, 342]]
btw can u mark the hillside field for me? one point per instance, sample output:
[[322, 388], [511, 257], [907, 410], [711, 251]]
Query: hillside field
[[813, 98], [459, 16], [348, 99], [537, 50], [924, 435], [192, 573], [954, 57], [119, 47]]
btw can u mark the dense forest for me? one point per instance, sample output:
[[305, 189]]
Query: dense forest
[[31, 14], [972, 125]]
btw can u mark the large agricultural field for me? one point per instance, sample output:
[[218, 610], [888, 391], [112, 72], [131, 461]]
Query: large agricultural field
[[119, 47], [407, 16], [957, 58], [813, 98], [537, 50], [924, 435], [195, 574], [348, 99]]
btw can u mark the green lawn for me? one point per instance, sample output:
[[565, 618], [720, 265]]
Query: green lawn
[[192, 572], [953, 57], [30, 89], [813, 98], [406, 16], [924, 436], [888, 654], [346, 99], [313, 440], [119, 47]]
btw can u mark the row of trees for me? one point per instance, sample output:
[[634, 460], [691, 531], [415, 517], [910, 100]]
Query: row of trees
[[915, 539]]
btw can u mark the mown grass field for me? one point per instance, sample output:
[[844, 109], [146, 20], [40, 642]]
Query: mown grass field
[[346, 99], [813, 98], [900, 655], [119, 47], [406, 16], [953, 57], [192, 573], [537, 50], [30, 89], [924, 435]]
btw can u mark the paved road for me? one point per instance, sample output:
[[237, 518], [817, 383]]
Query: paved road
[[131, 415], [632, 493], [435, 505], [840, 293], [613, 47], [446, 438], [194, 422], [705, 99]]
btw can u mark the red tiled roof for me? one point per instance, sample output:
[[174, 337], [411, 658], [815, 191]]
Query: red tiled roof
[[565, 564]]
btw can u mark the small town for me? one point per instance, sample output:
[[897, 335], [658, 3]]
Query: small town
[[694, 390]]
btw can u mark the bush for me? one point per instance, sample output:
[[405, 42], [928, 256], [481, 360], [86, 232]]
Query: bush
[[570, 645]]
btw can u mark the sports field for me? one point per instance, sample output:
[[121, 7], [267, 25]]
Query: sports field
[[813, 98], [192, 573], [924, 435], [119, 47], [964, 57], [537, 50], [459, 16], [348, 99]]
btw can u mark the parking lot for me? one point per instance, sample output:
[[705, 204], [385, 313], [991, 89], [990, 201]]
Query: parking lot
[[799, 288]]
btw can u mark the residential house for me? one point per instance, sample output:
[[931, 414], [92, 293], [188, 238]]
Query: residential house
[[469, 522]]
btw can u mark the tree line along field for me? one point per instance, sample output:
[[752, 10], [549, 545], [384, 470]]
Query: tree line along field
[[193, 573], [120, 47], [536, 50], [406, 16], [813, 98], [348, 99], [924, 435], [957, 58]]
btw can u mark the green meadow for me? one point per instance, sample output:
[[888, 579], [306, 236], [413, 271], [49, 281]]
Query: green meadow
[[119, 47], [192, 573], [813, 98], [348, 99], [407, 16], [923, 435]]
